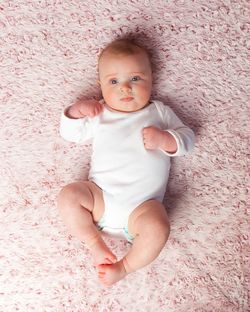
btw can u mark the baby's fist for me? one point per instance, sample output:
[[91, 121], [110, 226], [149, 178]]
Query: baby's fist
[[152, 137], [83, 108]]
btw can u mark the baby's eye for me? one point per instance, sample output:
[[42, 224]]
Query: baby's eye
[[113, 81], [136, 78]]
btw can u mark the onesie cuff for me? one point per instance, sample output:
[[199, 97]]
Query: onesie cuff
[[74, 130], [178, 142]]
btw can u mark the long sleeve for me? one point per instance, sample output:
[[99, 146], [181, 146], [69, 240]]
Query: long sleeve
[[183, 135], [76, 130]]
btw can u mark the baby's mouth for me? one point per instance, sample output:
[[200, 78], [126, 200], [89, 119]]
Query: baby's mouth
[[127, 99]]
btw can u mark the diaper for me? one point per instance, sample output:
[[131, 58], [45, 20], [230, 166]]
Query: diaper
[[123, 232], [116, 215]]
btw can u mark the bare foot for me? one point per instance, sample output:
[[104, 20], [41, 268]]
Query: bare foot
[[101, 253], [111, 273]]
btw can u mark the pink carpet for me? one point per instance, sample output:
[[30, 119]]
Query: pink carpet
[[48, 54]]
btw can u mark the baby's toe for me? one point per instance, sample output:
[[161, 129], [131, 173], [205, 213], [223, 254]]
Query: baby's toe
[[113, 259], [101, 275], [101, 268]]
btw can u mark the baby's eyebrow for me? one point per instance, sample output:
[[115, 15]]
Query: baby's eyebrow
[[137, 73], [110, 75], [133, 73]]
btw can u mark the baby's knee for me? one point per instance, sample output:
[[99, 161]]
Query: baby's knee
[[75, 194], [67, 195], [156, 228], [160, 230]]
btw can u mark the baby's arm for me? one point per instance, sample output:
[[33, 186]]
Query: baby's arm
[[83, 108], [176, 139], [74, 126]]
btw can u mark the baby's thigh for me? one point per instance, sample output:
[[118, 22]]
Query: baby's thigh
[[98, 201], [86, 194], [150, 216]]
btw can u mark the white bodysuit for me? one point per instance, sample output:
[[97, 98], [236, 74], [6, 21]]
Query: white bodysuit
[[121, 166]]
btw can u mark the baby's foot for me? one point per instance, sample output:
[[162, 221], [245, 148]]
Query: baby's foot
[[111, 273], [101, 253]]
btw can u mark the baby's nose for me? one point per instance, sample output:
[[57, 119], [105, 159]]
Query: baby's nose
[[125, 87]]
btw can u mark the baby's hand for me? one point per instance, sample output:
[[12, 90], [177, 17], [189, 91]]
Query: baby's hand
[[152, 137], [83, 108]]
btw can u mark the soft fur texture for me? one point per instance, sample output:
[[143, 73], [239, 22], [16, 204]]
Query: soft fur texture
[[48, 58]]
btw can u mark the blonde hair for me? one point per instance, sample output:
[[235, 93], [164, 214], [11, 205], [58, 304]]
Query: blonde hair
[[124, 47]]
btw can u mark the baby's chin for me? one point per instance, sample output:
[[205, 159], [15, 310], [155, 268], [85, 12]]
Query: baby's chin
[[127, 108]]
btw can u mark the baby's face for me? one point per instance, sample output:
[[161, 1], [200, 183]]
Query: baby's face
[[126, 81]]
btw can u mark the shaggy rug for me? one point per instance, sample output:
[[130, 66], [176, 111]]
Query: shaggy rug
[[48, 55]]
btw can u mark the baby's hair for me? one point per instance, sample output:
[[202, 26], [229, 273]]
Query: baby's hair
[[124, 47]]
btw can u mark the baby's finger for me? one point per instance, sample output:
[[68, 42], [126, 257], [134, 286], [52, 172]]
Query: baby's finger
[[92, 114], [100, 108], [96, 111], [145, 132], [145, 142]]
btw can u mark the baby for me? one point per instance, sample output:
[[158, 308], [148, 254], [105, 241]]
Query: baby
[[133, 139]]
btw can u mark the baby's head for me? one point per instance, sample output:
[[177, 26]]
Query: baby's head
[[125, 76]]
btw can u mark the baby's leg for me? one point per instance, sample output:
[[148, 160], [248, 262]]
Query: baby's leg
[[149, 224], [80, 205]]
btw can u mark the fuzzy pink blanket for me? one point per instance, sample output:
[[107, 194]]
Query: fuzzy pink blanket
[[48, 55]]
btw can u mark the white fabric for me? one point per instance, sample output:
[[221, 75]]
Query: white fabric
[[127, 173]]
